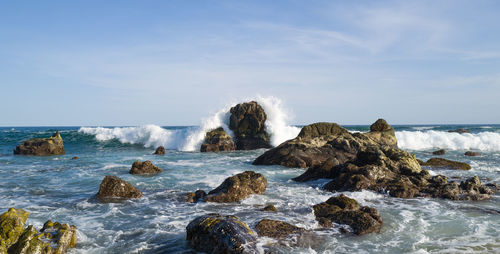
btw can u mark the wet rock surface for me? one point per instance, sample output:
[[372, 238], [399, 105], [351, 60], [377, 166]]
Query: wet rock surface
[[12, 225], [146, 167], [113, 187], [217, 140], [445, 164], [238, 187], [160, 150], [215, 233], [460, 130], [193, 197], [247, 122], [42, 146], [270, 208], [471, 153], [276, 229], [439, 152]]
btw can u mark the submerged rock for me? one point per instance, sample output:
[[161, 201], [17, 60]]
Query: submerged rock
[[146, 167], [247, 121], [215, 233], [160, 150], [276, 229], [446, 164], [460, 130], [12, 226], [439, 152], [238, 187], [344, 210], [193, 197], [113, 187], [75, 158], [42, 146], [321, 142], [217, 140], [269, 208], [470, 153]]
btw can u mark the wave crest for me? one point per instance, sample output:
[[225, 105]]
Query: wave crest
[[418, 140]]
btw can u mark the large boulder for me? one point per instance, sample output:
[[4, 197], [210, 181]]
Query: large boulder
[[344, 210], [319, 142], [146, 167], [42, 146], [238, 187], [276, 229], [113, 187], [12, 226], [247, 121], [215, 233], [445, 164], [217, 140]]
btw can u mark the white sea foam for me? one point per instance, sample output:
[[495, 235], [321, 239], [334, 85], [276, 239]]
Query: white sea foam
[[191, 138], [418, 140], [423, 128]]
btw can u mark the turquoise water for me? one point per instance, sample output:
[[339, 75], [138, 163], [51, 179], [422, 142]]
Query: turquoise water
[[62, 189]]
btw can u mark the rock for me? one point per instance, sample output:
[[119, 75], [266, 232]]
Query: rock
[[217, 140], [446, 164], [269, 208], [276, 229], [112, 187], [215, 233], [30, 242], [439, 152], [193, 197], [461, 130], [247, 121], [344, 210], [63, 235], [75, 158], [42, 146], [470, 153], [146, 167], [319, 142], [12, 226], [238, 187], [160, 150]]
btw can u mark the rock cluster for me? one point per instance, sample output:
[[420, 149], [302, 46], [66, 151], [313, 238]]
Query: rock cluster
[[217, 140], [146, 167], [42, 146], [113, 187], [53, 238]]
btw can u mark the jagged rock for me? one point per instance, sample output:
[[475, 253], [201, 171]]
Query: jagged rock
[[145, 167], [470, 153], [30, 242], [247, 121], [63, 235], [460, 130], [276, 229], [112, 187], [215, 233], [344, 210], [319, 142], [42, 146], [160, 150], [439, 152], [238, 187], [269, 208], [12, 226], [217, 140], [193, 197], [446, 164]]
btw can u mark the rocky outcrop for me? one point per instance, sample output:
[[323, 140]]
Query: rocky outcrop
[[247, 121], [42, 146], [445, 164], [215, 233], [276, 229], [439, 152], [112, 187], [460, 130], [269, 208], [470, 153], [238, 187], [321, 142], [160, 150], [344, 210], [53, 238], [146, 167], [217, 141]]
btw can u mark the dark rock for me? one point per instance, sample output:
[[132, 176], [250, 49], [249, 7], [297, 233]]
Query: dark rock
[[112, 187], [461, 130], [439, 152], [30, 242], [12, 226], [215, 233], [42, 146], [470, 153], [160, 150], [238, 187], [269, 208], [344, 210], [247, 121], [75, 158], [319, 142], [217, 140], [276, 229], [193, 197], [446, 164], [145, 167]]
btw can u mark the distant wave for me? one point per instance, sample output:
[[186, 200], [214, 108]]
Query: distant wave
[[190, 139], [422, 140]]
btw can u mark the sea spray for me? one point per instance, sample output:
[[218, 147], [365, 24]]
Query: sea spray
[[277, 120]]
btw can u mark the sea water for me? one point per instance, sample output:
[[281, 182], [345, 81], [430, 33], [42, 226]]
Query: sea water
[[61, 189]]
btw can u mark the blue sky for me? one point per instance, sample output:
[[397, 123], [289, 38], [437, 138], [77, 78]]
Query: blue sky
[[174, 62]]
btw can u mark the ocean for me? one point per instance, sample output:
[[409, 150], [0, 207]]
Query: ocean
[[58, 188]]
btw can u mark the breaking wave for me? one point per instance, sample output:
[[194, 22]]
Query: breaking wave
[[423, 140]]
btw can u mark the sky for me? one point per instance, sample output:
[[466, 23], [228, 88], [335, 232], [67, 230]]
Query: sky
[[114, 63]]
